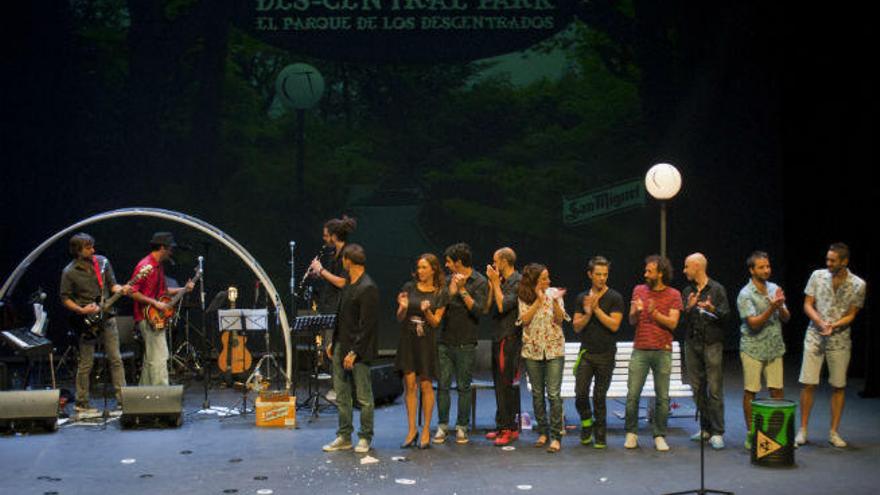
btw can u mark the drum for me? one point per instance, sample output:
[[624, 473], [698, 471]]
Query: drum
[[772, 432]]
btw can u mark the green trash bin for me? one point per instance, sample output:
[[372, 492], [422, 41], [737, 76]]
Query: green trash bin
[[772, 432]]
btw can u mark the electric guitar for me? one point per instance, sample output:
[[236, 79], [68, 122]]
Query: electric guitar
[[235, 357], [159, 319], [92, 323]]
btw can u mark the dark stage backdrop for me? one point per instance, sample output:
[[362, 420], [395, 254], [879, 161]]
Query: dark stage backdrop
[[521, 123]]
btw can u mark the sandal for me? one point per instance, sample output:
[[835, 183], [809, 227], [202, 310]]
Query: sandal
[[542, 440], [554, 447]]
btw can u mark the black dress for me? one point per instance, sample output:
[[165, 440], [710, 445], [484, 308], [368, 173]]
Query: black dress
[[414, 353]]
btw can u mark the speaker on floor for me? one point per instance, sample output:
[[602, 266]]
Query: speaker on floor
[[387, 385], [152, 405], [29, 408]]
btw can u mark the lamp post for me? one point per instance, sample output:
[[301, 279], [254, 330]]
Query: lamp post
[[300, 87], [663, 181]]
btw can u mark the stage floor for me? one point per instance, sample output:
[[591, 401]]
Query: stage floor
[[232, 455]]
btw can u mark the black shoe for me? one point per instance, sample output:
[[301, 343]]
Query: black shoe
[[425, 446], [599, 437], [410, 444], [586, 435]]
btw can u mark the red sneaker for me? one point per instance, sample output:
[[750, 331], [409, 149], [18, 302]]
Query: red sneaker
[[492, 435], [505, 438], [514, 434]]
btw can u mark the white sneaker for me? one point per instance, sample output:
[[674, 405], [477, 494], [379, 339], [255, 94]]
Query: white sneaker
[[834, 439], [660, 444], [717, 442], [362, 447], [461, 436], [85, 409], [632, 441], [338, 444], [696, 436], [801, 437], [440, 436]]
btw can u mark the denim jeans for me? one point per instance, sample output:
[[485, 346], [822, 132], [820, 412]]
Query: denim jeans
[[546, 374], [455, 360], [343, 380], [659, 363], [600, 366], [505, 367], [155, 370], [704, 366], [110, 339]]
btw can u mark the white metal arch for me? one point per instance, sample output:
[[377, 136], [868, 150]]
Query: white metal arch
[[219, 235]]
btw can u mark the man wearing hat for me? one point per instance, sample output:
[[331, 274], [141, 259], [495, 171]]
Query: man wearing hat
[[147, 293]]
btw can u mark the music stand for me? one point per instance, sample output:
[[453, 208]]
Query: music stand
[[242, 320], [314, 324]]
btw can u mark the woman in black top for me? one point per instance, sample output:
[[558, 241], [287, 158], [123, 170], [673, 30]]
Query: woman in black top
[[420, 307]]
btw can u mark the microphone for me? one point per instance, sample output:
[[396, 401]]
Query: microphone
[[202, 281]]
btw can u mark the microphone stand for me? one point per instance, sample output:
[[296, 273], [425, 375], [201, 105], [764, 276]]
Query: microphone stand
[[702, 490], [206, 368]]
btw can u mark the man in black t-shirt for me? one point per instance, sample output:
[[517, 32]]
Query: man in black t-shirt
[[457, 343], [598, 313]]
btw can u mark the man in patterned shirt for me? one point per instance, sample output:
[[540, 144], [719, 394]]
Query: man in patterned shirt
[[761, 306], [834, 297]]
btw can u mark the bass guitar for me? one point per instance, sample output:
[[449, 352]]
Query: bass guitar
[[91, 324], [159, 319], [235, 357]]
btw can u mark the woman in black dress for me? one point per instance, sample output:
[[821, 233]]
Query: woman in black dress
[[420, 307]]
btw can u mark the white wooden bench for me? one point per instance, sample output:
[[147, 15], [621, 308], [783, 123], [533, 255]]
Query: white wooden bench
[[618, 387]]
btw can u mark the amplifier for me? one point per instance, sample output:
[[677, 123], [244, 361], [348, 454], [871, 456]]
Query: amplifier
[[152, 405], [29, 408]]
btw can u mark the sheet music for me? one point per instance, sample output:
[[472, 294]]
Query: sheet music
[[254, 319], [41, 318]]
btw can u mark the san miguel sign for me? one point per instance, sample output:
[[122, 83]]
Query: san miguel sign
[[602, 202], [404, 30]]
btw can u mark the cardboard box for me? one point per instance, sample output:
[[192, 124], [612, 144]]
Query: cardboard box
[[276, 413]]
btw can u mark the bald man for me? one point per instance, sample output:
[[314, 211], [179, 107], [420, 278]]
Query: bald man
[[704, 316]]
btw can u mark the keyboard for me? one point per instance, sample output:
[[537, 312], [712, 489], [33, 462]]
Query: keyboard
[[23, 340]]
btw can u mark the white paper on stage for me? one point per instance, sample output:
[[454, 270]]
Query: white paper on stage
[[243, 319]]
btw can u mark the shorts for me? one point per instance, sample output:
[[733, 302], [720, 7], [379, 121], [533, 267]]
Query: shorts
[[815, 353], [754, 368]]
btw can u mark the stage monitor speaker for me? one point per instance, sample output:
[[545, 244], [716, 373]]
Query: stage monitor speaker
[[152, 405], [387, 384], [29, 408]]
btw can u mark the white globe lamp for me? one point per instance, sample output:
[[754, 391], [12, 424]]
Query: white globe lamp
[[663, 182]]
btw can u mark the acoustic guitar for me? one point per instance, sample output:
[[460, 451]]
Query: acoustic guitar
[[159, 319], [92, 323], [235, 357]]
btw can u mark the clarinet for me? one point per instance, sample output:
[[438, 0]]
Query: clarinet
[[302, 282]]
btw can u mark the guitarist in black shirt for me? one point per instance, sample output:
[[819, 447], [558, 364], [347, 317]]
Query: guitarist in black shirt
[[85, 283]]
